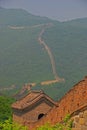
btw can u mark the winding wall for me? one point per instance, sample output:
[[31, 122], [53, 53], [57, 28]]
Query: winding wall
[[50, 54]]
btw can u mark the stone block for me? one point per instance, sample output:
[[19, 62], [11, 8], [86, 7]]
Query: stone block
[[81, 114], [85, 113], [76, 119], [81, 121], [77, 125], [73, 125]]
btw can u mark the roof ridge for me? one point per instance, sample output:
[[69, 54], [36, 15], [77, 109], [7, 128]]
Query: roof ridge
[[36, 91], [24, 102]]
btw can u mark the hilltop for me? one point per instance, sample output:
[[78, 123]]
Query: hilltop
[[20, 17]]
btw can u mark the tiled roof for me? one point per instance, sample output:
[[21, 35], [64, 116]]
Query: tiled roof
[[30, 99]]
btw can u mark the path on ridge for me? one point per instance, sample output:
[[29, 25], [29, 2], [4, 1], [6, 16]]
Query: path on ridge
[[50, 54]]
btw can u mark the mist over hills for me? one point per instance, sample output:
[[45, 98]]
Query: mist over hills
[[24, 60], [20, 17]]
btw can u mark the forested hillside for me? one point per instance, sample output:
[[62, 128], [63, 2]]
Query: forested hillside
[[68, 41], [24, 60]]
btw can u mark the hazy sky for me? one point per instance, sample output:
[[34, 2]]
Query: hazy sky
[[56, 9]]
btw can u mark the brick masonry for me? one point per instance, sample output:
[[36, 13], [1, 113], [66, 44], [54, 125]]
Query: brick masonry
[[31, 114], [32, 107], [73, 101]]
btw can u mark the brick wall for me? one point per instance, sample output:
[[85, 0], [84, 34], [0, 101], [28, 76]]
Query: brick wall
[[74, 100]]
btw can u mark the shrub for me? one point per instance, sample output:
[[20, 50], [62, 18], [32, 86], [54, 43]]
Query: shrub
[[9, 125]]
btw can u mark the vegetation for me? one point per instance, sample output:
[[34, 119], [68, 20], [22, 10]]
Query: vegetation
[[24, 60], [68, 43], [9, 125], [6, 115], [5, 108], [66, 125]]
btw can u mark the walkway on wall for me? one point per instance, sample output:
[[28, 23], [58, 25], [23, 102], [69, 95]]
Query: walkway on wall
[[51, 56]]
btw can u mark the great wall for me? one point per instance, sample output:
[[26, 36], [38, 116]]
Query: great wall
[[51, 56], [74, 103]]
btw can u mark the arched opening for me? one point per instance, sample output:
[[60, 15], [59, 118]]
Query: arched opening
[[40, 116]]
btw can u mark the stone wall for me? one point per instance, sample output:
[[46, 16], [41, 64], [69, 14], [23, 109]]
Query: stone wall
[[74, 100], [80, 119]]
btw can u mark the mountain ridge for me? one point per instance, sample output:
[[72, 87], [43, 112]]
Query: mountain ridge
[[20, 17]]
